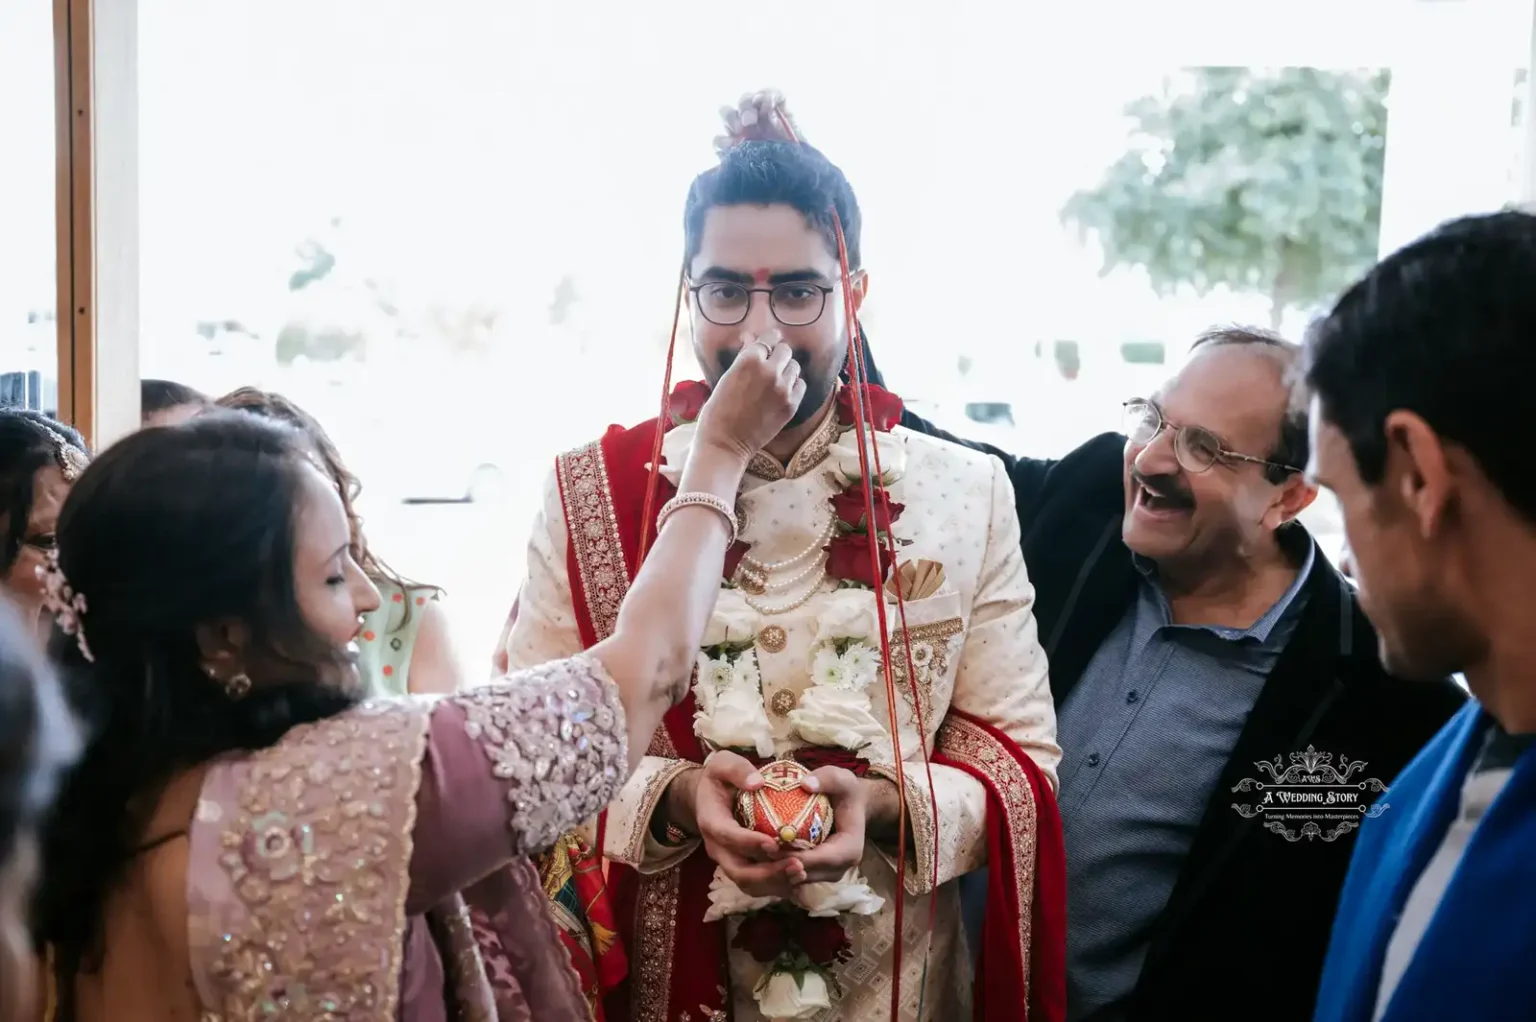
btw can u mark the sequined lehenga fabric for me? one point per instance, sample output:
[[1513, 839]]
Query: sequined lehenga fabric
[[373, 866]]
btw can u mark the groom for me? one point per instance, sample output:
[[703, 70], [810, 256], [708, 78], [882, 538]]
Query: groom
[[716, 919]]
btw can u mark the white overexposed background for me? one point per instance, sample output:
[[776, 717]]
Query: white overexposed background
[[464, 157]]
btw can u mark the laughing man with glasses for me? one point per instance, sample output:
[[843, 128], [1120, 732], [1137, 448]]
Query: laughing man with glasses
[[1195, 630]]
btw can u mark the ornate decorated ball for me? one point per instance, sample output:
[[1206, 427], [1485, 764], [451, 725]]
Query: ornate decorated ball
[[783, 810]]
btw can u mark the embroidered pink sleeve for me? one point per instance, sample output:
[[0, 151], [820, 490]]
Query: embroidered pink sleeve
[[511, 766]]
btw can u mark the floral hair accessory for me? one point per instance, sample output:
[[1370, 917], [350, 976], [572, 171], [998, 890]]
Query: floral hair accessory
[[66, 605], [72, 460]]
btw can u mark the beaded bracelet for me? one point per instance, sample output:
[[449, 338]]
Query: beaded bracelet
[[708, 500]]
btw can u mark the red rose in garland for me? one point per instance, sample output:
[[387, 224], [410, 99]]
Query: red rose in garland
[[852, 512], [848, 556], [768, 934], [763, 935], [882, 409], [848, 559], [823, 940], [687, 401]]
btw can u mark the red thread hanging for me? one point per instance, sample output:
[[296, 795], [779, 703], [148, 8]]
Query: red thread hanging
[[647, 512], [863, 423]]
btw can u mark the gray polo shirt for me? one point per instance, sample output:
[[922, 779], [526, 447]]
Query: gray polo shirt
[[1145, 735]]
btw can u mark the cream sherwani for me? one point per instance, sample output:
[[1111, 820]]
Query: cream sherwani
[[977, 649]]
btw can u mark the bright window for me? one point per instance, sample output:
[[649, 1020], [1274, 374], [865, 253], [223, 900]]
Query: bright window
[[452, 231], [28, 330]]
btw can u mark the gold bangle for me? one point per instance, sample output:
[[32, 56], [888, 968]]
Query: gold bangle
[[709, 500]]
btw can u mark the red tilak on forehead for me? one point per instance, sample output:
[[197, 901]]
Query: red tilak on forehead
[[761, 276]]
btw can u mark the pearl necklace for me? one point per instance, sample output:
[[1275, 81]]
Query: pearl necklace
[[765, 568], [757, 576], [794, 604]]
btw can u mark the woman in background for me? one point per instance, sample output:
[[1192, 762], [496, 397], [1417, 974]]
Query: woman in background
[[405, 645], [242, 839], [166, 402], [37, 739], [40, 459]]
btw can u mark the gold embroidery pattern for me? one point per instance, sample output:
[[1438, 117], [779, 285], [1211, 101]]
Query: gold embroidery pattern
[[965, 742], [656, 924], [925, 838], [655, 788], [593, 528], [811, 453], [930, 655], [661, 743], [318, 852], [555, 736]]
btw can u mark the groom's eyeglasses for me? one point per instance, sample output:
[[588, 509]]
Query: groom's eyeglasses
[[724, 303]]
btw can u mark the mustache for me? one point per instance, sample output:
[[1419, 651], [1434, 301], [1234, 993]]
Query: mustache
[[728, 358], [1164, 486]]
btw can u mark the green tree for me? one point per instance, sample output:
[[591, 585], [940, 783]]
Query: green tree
[[1266, 181]]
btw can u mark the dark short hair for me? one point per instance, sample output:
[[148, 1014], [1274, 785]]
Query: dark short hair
[[1294, 444], [168, 530], [771, 174], [158, 395], [29, 441], [1446, 329]]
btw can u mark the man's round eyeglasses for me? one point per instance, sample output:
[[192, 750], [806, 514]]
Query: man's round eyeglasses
[[798, 303], [1196, 447]]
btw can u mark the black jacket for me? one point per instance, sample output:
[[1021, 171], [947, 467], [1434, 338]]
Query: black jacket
[[1246, 928]]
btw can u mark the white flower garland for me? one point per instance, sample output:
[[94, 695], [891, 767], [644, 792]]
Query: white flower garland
[[834, 712]]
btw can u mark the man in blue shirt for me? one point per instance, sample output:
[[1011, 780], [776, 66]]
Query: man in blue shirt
[[1422, 376]]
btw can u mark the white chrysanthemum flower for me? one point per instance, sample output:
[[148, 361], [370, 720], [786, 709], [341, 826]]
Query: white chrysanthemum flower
[[719, 674], [704, 685], [828, 669], [745, 673], [861, 663]]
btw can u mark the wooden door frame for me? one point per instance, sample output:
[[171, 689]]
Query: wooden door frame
[[75, 247], [97, 206]]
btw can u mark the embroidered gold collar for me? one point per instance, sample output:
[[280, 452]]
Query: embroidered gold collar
[[811, 453]]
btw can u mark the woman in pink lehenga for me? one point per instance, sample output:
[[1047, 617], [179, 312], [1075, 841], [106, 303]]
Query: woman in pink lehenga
[[242, 840]]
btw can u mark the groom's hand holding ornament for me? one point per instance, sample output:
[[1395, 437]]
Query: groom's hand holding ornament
[[703, 802]]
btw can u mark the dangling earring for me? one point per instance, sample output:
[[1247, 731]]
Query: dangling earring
[[236, 686]]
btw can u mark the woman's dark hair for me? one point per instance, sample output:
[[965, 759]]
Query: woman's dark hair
[[29, 441], [275, 406], [168, 530], [158, 395]]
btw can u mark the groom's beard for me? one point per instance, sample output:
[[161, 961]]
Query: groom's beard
[[819, 384]]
